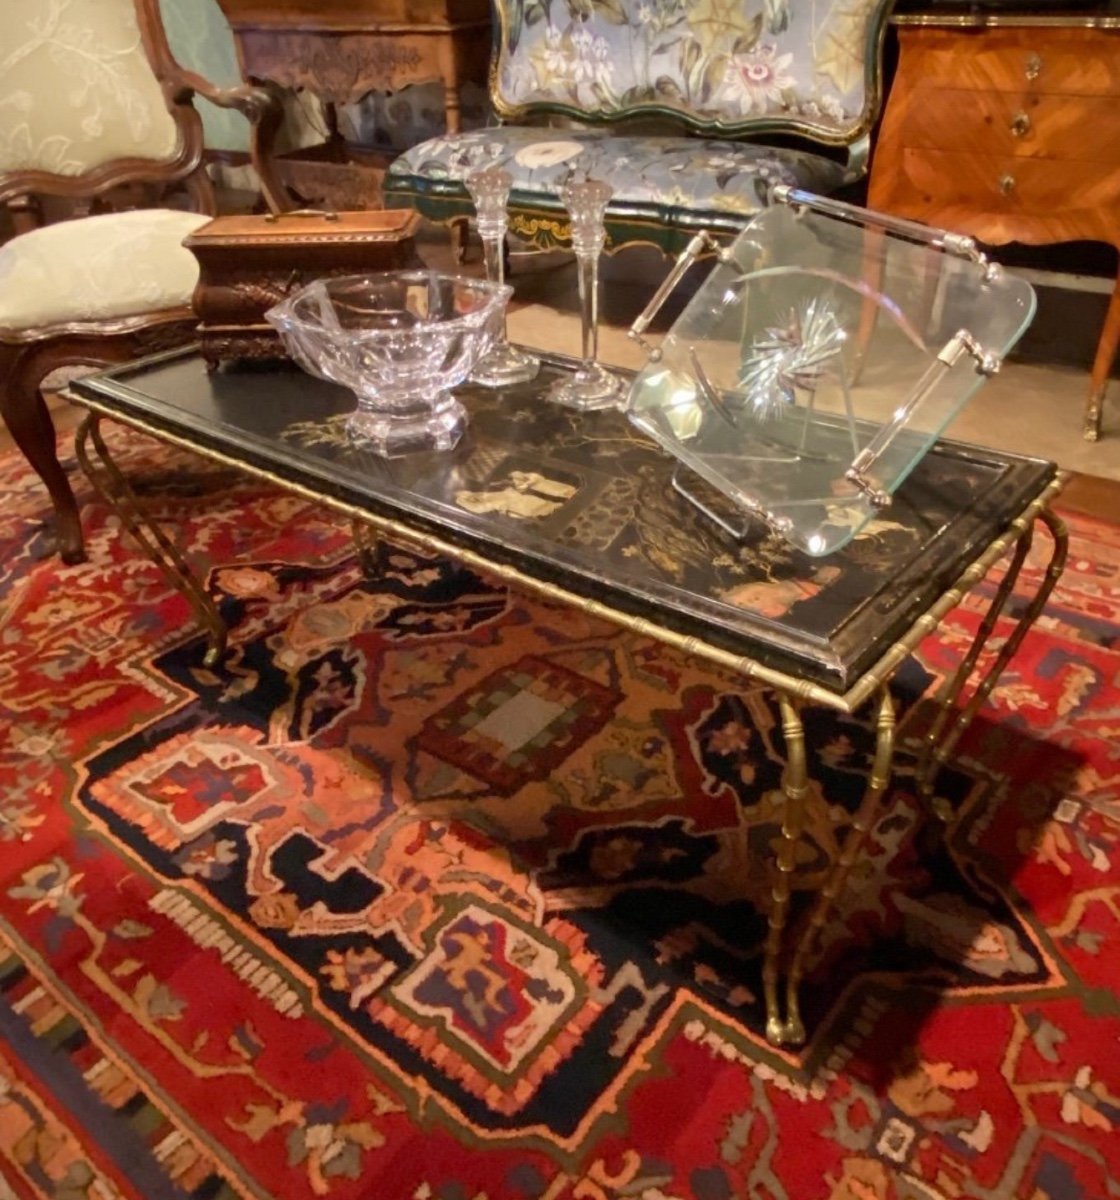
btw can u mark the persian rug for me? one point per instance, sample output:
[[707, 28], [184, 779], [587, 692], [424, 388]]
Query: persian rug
[[434, 891]]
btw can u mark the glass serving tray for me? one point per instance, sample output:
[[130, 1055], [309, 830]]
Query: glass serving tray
[[818, 362]]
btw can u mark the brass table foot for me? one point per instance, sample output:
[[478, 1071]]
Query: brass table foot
[[790, 1032], [111, 485], [947, 728], [1093, 409]]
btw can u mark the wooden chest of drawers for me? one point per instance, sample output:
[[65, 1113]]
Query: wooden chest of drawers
[[1008, 128]]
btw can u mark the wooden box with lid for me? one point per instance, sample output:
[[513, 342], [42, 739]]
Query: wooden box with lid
[[249, 263], [1005, 124], [341, 49]]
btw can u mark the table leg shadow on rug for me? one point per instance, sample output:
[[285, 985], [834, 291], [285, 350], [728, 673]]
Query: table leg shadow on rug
[[435, 890]]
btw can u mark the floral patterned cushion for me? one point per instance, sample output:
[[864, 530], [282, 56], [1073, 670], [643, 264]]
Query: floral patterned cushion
[[806, 64], [657, 177]]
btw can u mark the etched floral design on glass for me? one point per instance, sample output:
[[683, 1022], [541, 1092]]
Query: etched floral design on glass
[[791, 357], [592, 386], [503, 364]]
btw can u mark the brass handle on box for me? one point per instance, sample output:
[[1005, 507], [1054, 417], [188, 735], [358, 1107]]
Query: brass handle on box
[[1020, 124], [328, 214], [1006, 184], [1034, 66]]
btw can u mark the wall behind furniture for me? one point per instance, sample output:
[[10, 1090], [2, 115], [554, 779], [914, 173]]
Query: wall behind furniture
[[201, 41]]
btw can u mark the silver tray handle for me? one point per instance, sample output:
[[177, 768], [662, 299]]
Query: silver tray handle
[[702, 243], [960, 344]]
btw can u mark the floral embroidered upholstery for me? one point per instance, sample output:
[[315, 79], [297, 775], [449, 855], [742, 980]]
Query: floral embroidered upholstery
[[735, 62], [72, 271], [76, 88], [705, 69]]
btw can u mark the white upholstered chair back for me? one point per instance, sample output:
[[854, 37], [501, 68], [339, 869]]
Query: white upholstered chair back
[[77, 89]]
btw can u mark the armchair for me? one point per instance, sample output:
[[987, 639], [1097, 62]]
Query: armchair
[[92, 102], [799, 78]]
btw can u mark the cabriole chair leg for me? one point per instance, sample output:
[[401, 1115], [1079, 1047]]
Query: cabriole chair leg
[[25, 413]]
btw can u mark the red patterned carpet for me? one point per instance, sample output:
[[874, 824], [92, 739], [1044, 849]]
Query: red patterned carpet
[[435, 892]]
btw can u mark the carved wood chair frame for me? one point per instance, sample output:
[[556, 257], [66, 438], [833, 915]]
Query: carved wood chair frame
[[29, 355]]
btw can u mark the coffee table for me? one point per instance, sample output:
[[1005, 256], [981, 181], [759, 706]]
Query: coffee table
[[579, 507]]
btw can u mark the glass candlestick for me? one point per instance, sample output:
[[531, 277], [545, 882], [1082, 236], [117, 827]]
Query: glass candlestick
[[592, 386], [502, 363]]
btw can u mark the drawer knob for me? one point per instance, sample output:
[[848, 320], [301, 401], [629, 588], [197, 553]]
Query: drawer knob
[[1020, 124], [1034, 66], [1007, 184]]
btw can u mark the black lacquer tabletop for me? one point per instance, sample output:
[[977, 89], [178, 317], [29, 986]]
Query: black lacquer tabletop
[[585, 501]]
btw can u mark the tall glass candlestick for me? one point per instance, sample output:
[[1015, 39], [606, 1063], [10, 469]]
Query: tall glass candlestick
[[592, 386], [503, 363]]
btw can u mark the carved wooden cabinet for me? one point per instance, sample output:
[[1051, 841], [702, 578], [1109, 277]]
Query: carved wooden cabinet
[[340, 50], [1007, 128]]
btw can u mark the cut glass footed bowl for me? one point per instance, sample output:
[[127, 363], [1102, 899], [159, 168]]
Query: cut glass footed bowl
[[400, 341]]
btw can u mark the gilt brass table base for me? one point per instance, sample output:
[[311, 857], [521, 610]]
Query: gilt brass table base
[[784, 1025], [113, 487]]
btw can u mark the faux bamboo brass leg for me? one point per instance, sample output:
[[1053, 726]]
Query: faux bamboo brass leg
[[949, 692], [111, 485], [365, 542], [946, 731], [866, 816], [795, 783]]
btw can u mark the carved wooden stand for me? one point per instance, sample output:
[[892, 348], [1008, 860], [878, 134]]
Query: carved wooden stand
[[339, 50]]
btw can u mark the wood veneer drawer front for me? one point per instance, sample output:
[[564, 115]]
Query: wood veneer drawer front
[[1071, 61], [1082, 128], [990, 183]]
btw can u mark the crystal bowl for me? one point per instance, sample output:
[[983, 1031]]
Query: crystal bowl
[[400, 341]]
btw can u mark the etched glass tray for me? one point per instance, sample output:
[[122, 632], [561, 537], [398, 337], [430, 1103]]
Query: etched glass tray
[[817, 363]]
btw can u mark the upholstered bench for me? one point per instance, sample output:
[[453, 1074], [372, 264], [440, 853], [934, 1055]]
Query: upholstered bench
[[704, 80]]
